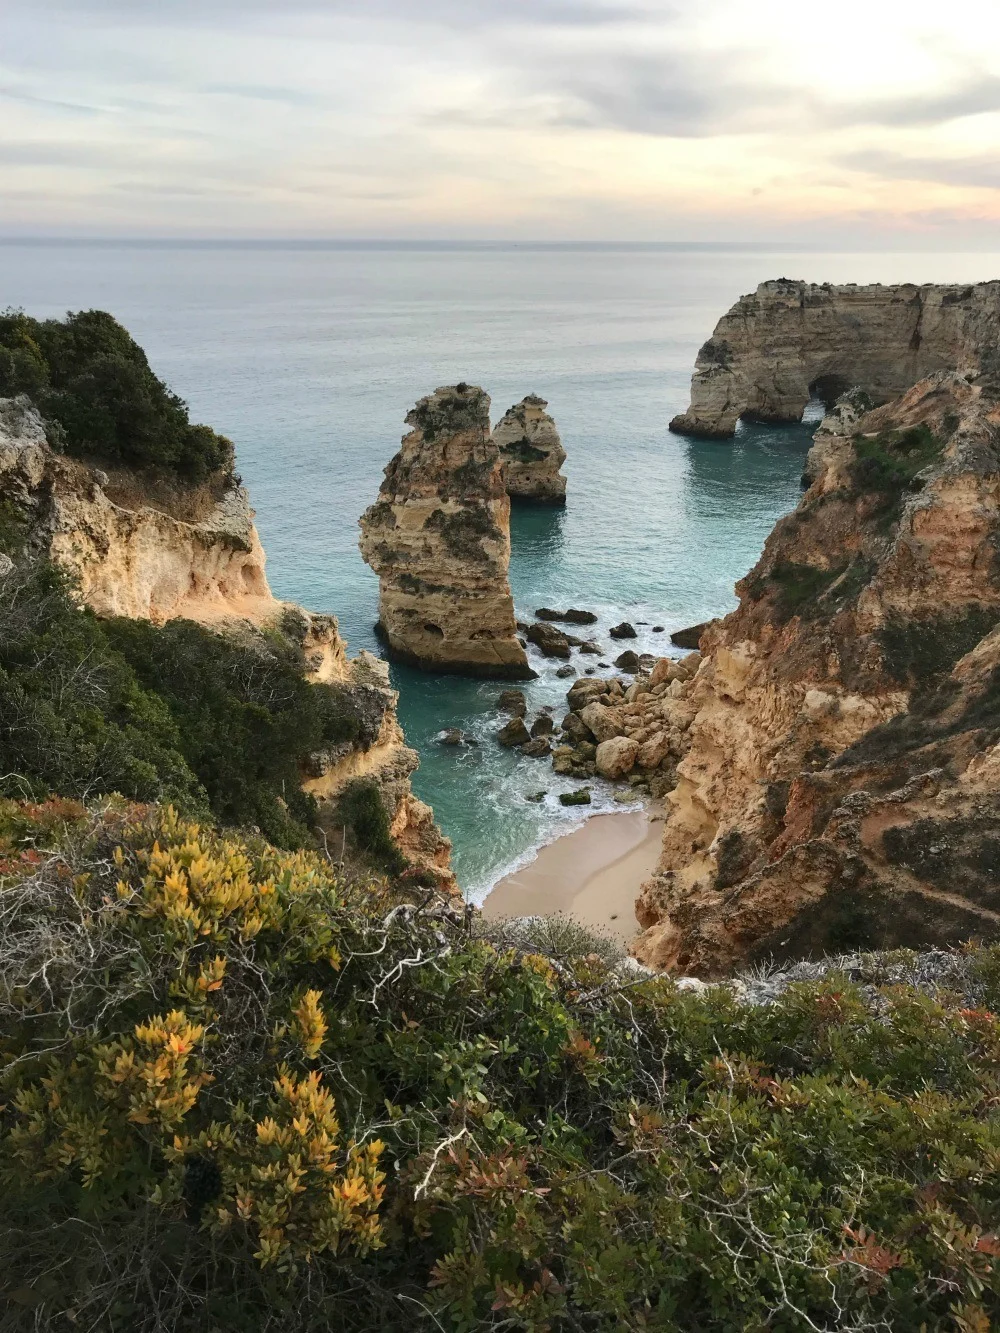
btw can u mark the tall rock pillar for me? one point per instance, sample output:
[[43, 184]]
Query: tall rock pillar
[[439, 539]]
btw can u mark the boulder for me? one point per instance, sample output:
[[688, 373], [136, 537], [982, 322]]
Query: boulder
[[623, 631], [653, 751], [579, 797], [602, 722], [616, 757], [574, 726], [514, 733], [566, 672], [535, 797], [538, 748], [665, 671], [551, 641], [690, 637], [658, 629], [570, 617], [591, 647], [543, 725], [512, 701], [628, 661], [451, 736], [581, 692]]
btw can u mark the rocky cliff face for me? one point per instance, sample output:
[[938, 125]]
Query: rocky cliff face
[[136, 549], [841, 785], [532, 452], [439, 539], [789, 339]]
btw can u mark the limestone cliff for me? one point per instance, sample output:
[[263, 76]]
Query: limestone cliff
[[841, 785], [776, 347], [439, 539], [532, 452], [140, 547]]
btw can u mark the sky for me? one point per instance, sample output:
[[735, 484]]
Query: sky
[[864, 121]]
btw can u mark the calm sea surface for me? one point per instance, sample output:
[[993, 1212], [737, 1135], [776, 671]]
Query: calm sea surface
[[310, 357]]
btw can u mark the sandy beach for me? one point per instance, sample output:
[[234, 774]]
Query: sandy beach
[[592, 874]]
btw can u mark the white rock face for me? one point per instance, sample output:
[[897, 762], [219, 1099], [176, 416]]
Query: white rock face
[[532, 452], [776, 346]]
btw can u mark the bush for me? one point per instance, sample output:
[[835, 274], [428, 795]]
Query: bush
[[170, 713], [73, 717], [887, 463], [207, 1044], [92, 382], [362, 810]]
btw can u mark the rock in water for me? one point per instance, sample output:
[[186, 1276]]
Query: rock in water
[[439, 539], [514, 733], [773, 349], [623, 631], [532, 452], [512, 701], [628, 661], [579, 797], [690, 637], [551, 641]]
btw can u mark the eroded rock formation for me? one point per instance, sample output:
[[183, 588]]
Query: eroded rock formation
[[532, 452], [439, 539], [841, 786], [134, 550], [776, 347]]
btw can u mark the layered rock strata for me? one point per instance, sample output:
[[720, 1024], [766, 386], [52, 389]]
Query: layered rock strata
[[195, 553], [439, 539], [841, 786], [532, 452], [788, 340]]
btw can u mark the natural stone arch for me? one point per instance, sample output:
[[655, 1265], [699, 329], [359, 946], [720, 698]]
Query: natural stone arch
[[774, 346]]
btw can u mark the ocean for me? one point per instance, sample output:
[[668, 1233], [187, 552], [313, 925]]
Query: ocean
[[309, 356]]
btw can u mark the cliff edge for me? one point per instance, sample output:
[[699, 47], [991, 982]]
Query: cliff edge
[[142, 546], [841, 785]]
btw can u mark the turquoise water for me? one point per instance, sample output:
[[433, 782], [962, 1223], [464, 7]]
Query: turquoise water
[[310, 357]]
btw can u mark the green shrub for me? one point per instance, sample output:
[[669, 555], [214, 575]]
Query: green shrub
[[887, 463], [173, 713], [92, 382], [917, 651], [362, 810], [213, 1052], [73, 717]]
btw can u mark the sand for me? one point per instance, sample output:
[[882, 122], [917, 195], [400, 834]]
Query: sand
[[592, 874]]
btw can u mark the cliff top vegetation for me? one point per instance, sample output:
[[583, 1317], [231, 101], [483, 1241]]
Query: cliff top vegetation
[[240, 1093], [93, 385]]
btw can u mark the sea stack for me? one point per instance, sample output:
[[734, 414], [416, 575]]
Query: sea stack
[[439, 539], [532, 452], [790, 340]]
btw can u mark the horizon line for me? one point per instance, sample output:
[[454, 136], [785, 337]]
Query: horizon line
[[443, 244]]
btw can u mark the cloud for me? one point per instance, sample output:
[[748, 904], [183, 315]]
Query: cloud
[[262, 93], [975, 172]]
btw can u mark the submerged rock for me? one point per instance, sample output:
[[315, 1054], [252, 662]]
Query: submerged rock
[[579, 797], [439, 539]]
